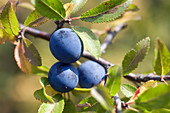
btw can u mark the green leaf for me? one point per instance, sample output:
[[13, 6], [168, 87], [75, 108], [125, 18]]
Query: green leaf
[[26, 5], [114, 80], [103, 7], [128, 90], [35, 19], [132, 7], [40, 70], [31, 52], [78, 5], [4, 36], [9, 20], [39, 95], [144, 87], [161, 111], [89, 39], [154, 98], [52, 9], [161, 58], [106, 11], [59, 103], [44, 82], [69, 107], [80, 94], [90, 100], [101, 94], [57, 107], [127, 16], [136, 55]]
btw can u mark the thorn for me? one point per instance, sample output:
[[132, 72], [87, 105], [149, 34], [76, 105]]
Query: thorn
[[133, 109], [84, 105], [163, 80]]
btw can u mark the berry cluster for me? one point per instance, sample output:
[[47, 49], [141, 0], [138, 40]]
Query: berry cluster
[[67, 47]]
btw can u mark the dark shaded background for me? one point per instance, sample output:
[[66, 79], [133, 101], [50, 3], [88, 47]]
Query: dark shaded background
[[16, 88]]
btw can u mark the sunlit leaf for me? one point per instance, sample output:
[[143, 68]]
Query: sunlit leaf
[[50, 91], [127, 16], [4, 36], [128, 90], [106, 11], [136, 55], [52, 9], [26, 5], [161, 58], [77, 5], [35, 19], [68, 8], [114, 80], [154, 98], [89, 39], [132, 7], [142, 89], [47, 90], [103, 7], [101, 94], [40, 70], [56, 107], [9, 20], [163, 110]]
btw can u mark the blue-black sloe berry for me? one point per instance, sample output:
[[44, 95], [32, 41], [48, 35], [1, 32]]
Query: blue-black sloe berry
[[66, 46], [90, 74], [63, 77]]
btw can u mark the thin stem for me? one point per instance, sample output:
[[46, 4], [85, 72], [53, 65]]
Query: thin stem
[[118, 103], [144, 78], [36, 33], [111, 35], [75, 18]]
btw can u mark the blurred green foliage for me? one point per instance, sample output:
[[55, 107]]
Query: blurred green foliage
[[16, 88]]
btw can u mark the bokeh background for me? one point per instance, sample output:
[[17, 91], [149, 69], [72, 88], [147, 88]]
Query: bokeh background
[[16, 88]]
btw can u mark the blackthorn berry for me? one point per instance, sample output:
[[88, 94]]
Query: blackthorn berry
[[63, 77], [66, 46], [90, 74]]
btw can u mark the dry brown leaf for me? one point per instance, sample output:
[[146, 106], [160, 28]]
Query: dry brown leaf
[[68, 7], [20, 58]]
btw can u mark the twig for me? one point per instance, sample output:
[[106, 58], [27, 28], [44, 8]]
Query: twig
[[118, 103], [144, 78], [101, 61], [36, 33], [111, 35]]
